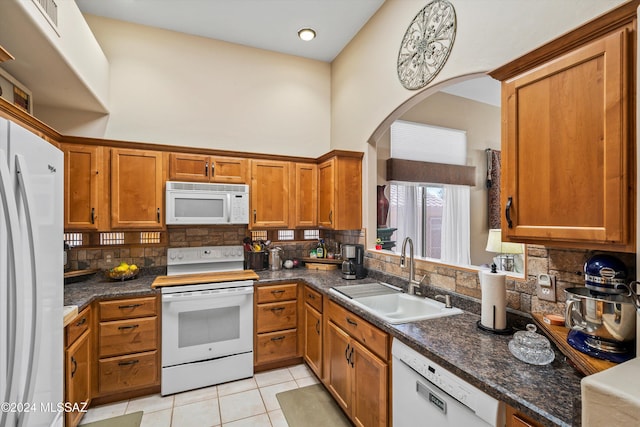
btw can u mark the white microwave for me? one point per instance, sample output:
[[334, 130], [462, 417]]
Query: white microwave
[[190, 203]]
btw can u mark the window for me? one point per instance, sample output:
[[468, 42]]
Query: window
[[436, 217]]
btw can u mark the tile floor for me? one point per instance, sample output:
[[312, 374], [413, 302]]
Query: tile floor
[[250, 402]]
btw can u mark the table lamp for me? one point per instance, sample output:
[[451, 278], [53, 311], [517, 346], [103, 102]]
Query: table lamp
[[506, 250]]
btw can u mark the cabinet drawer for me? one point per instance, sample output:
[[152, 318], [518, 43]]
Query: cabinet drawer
[[78, 326], [275, 293], [128, 336], [276, 346], [128, 308], [373, 338], [313, 298], [276, 316], [125, 372]]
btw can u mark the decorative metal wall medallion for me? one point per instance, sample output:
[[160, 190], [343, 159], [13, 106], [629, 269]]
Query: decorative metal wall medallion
[[426, 44]]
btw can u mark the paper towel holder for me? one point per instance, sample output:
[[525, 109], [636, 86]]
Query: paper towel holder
[[506, 331]]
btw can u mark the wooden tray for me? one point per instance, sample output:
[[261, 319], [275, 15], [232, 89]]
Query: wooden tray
[[321, 260], [584, 363], [319, 266], [80, 273]]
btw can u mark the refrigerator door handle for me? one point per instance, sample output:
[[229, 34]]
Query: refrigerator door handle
[[10, 209], [34, 332]]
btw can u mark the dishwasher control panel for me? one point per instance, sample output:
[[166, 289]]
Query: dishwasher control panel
[[433, 372]]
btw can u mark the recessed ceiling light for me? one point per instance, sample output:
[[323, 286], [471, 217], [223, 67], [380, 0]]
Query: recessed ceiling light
[[306, 34]]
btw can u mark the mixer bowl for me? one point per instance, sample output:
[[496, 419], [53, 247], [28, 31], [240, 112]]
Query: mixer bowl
[[609, 317]]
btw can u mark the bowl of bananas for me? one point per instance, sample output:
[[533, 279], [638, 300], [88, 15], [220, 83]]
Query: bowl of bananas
[[123, 272]]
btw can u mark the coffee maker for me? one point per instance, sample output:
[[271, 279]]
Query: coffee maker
[[353, 264]]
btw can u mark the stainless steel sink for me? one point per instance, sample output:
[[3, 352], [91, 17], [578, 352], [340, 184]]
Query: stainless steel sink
[[391, 305]]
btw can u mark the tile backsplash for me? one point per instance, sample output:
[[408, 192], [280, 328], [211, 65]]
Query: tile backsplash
[[565, 264], [106, 257]]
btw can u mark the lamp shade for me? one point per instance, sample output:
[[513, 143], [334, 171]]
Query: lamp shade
[[494, 241], [495, 244]]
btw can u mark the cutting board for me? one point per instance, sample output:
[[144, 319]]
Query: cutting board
[[198, 278], [584, 363]]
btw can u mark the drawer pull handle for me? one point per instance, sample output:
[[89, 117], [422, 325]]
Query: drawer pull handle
[[128, 327], [75, 366], [311, 296], [81, 321], [277, 291], [122, 307], [274, 309], [351, 322], [280, 338], [131, 362]]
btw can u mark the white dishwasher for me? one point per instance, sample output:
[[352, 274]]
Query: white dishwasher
[[425, 394]]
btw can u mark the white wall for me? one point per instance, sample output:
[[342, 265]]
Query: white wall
[[365, 91], [174, 88]]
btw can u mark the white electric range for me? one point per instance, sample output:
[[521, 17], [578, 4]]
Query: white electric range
[[207, 328]]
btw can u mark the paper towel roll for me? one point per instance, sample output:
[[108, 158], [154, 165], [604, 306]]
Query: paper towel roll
[[494, 300]]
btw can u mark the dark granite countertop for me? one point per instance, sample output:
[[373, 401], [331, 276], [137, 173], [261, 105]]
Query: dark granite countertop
[[98, 286], [549, 393]]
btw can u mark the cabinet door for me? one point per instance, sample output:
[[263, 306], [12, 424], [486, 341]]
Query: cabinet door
[[313, 339], [566, 162], [339, 375], [77, 368], [189, 167], [269, 194], [518, 419], [136, 189], [370, 388], [326, 186], [305, 190], [82, 175], [232, 170]]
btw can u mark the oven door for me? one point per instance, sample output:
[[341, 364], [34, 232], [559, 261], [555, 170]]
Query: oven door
[[206, 324]]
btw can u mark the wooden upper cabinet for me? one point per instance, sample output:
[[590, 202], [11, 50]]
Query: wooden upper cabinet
[[568, 165], [232, 170], [269, 194], [340, 193], [83, 177], [201, 168], [136, 189], [304, 212]]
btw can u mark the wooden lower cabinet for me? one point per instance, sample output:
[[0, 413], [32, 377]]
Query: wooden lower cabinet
[[357, 377], [276, 326], [127, 348], [77, 366], [313, 327], [127, 372], [514, 418]]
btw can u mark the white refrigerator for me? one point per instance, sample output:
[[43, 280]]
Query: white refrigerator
[[31, 279]]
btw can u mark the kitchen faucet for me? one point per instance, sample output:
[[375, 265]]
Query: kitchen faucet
[[413, 284]]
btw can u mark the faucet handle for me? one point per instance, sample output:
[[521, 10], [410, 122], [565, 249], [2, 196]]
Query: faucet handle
[[446, 299]]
